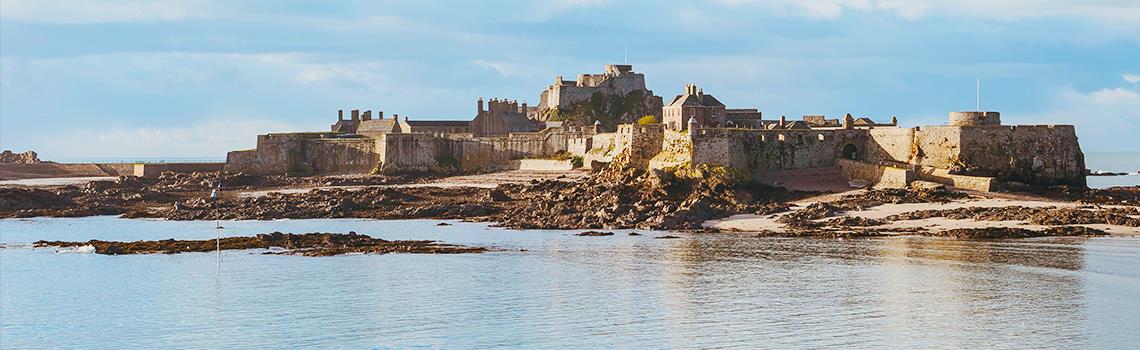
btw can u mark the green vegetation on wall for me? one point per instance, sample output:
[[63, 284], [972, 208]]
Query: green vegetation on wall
[[646, 120], [611, 110]]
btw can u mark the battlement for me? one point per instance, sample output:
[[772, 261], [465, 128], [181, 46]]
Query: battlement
[[975, 118], [616, 80], [640, 129]]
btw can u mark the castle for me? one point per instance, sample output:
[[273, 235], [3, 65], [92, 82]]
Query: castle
[[973, 150]]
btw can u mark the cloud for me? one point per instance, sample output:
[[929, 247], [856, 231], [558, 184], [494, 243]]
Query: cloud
[[96, 11], [211, 137], [348, 75], [1120, 12], [1107, 119], [1132, 78], [504, 69], [543, 10]]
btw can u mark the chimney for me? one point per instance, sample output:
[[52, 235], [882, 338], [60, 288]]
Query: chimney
[[894, 120], [396, 117], [701, 93], [356, 114], [405, 118], [367, 115], [380, 114], [340, 114], [524, 107], [848, 121], [480, 104], [783, 120]]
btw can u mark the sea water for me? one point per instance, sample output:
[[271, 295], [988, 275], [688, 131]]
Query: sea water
[[1117, 162], [551, 289]]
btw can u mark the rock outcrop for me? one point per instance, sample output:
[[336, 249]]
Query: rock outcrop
[[29, 157], [308, 244]]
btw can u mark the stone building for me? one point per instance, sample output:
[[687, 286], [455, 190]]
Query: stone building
[[749, 118], [502, 117], [972, 151], [439, 126], [694, 103], [616, 96], [618, 79], [363, 123]]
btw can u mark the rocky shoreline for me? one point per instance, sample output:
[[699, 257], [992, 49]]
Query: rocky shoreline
[[308, 244], [615, 198]]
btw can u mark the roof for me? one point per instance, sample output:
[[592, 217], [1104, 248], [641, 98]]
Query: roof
[[792, 125], [799, 124], [463, 123], [378, 126], [705, 100], [344, 126], [864, 121]]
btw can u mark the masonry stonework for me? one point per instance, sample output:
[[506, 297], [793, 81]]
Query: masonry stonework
[[973, 150]]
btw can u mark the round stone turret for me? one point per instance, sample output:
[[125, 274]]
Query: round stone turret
[[692, 125], [975, 118]]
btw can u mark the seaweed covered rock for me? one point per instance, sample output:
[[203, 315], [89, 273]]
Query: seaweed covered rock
[[628, 197], [308, 244], [1014, 232]]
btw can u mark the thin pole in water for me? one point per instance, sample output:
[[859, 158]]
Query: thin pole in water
[[217, 222]]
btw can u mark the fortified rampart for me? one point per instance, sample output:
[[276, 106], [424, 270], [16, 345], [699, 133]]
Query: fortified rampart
[[305, 153], [755, 151], [616, 80], [973, 150], [324, 153], [1032, 154]]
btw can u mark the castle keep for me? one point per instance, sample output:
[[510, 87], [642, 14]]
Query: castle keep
[[973, 150]]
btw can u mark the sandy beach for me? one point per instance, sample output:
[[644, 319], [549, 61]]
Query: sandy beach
[[769, 223]]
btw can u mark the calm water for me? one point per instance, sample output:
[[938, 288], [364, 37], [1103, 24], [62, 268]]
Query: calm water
[[565, 291], [1121, 162]]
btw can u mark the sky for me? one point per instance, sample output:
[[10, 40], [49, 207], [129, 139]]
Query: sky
[[197, 78]]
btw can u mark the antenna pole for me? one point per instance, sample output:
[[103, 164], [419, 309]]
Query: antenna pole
[[978, 96]]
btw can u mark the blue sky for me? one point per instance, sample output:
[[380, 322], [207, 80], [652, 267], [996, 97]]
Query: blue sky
[[197, 78]]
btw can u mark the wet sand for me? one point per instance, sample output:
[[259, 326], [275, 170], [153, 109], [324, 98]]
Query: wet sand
[[762, 223], [55, 181], [489, 180]]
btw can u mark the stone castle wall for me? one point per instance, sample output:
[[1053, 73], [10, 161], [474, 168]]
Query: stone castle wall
[[156, 169], [643, 142], [975, 118], [304, 153], [765, 150], [890, 145], [1034, 154], [879, 175], [676, 149], [340, 156], [422, 152], [561, 94]]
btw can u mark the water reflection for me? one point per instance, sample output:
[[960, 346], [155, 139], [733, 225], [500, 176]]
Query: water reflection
[[701, 291], [917, 292]]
